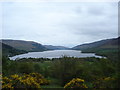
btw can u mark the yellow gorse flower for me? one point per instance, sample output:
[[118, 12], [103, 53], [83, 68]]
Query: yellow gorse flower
[[32, 80], [14, 76], [108, 78], [76, 83], [103, 82], [9, 85]]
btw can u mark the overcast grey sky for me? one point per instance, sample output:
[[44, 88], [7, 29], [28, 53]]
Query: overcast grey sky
[[59, 23]]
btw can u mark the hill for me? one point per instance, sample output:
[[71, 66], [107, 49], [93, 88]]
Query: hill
[[108, 43], [28, 46], [108, 48], [10, 51], [51, 47]]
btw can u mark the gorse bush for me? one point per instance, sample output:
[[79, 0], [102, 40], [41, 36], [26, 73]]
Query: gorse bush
[[32, 80], [40, 79], [76, 83], [106, 82]]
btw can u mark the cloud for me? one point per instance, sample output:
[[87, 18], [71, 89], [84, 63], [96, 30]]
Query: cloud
[[60, 23]]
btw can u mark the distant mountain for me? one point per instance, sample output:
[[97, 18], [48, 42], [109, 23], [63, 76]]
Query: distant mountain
[[56, 47], [9, 51], [28, 46]]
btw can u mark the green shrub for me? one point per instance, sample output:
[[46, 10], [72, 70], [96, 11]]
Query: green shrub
[[26, 68]]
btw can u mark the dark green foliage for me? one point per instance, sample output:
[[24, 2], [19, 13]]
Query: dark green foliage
[[110, 53], [64, 69], [5, 65], [26, 68]]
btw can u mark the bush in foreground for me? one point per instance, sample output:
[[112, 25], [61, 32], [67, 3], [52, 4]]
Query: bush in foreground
[[106, 82], [76, 83], [32, 80]]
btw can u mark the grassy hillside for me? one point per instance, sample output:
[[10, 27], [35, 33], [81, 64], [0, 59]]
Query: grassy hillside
[[108, 48], [108, 43], [25, 45]]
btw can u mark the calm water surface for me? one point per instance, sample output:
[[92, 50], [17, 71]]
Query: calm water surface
[[55, 54]]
